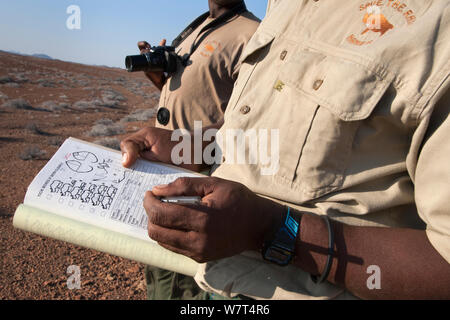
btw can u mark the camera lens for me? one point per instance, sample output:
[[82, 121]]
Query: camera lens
[[136, 63]]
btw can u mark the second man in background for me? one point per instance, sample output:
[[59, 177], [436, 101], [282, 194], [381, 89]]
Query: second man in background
[[210, 49]]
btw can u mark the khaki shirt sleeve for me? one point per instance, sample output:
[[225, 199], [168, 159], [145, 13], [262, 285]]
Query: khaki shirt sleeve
[[432, 183]]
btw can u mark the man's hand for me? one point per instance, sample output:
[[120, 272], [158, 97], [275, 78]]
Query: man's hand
[[157, 78], [153, 144], [231, 219]]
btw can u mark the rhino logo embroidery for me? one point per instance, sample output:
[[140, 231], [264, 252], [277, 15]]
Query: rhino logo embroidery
[[376, 22]]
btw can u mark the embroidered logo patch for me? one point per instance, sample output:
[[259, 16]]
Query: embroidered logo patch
[[209, 47], [377, 20]]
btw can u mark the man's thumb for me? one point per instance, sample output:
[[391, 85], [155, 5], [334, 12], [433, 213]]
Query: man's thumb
[[130, 153]]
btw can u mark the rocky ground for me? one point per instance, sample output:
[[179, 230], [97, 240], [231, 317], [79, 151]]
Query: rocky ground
[[43, 102]]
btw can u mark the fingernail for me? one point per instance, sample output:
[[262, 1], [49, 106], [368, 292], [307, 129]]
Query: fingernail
[[125, 158], [162, 186]]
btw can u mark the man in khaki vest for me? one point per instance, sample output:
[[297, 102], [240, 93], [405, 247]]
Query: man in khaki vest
[[355, 98], [200, 88]]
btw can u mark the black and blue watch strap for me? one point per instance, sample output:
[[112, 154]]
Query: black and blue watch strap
[[281, 248]]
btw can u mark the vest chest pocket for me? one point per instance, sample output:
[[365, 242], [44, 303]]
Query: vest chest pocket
[[328, 99], [249, 59]]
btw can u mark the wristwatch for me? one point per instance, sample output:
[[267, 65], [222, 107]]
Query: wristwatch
[[280, 247]]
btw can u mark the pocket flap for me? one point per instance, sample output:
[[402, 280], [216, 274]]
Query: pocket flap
[[259, 40], [346, 88]]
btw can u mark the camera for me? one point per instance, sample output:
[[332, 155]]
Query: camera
[[158, 59]]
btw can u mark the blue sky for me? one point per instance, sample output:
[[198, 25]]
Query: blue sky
[[109, 29]]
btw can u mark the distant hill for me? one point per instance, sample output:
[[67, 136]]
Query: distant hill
[[42, 56], [36, 55], [47, 57]]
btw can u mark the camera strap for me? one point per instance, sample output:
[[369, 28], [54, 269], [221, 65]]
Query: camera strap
[[216, 23]]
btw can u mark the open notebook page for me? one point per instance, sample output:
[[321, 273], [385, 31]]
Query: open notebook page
[[88, 183]]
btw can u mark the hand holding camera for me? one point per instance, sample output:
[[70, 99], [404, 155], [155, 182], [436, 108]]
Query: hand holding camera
[[154, 61]]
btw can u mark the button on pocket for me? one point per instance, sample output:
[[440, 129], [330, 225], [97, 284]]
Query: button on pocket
[[245, 109], [317, 84]]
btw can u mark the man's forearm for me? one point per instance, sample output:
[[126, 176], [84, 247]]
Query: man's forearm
[[410, 268]]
